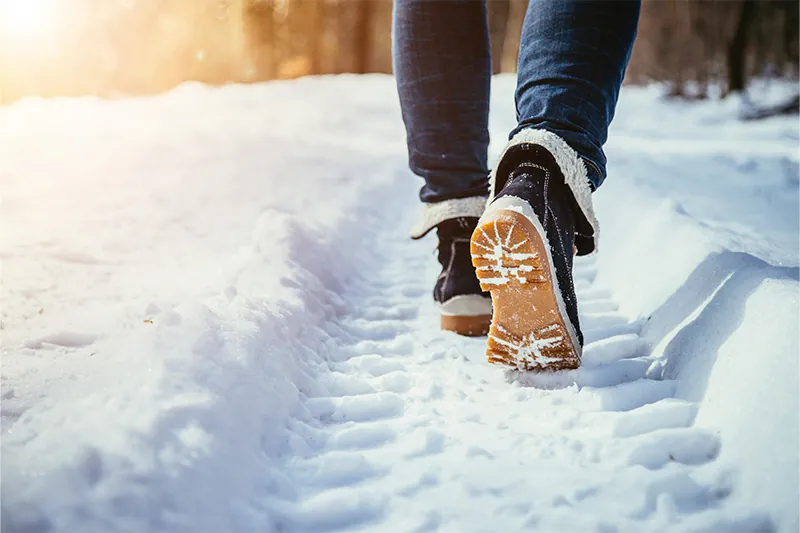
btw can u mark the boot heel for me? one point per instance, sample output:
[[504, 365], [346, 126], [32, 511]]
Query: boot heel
[[468, 315], [529, 329]]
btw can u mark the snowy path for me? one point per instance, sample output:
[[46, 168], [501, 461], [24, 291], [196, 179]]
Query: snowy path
[[416, 424], [213, 321]]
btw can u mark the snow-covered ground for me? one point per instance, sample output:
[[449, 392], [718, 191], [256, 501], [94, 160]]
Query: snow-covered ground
[[213, 320]]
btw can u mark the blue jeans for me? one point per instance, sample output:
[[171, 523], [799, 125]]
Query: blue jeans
[[572, 59]]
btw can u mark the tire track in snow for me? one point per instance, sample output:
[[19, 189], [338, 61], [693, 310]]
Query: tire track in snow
[[418, 433]]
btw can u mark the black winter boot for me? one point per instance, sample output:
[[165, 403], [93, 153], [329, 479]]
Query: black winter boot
[[465, 308], [523, 250]]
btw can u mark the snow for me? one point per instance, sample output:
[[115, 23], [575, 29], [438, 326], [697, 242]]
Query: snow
[[213, 320]]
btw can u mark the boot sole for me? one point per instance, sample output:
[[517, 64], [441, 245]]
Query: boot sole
[[529, 329]]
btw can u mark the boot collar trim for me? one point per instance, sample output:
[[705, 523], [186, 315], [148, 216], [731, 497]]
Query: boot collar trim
[[571, 165], [437, 212]]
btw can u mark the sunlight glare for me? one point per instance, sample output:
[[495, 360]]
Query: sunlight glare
[[25, 19]]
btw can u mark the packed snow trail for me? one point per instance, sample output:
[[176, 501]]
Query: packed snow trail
[[414, 424], [213, 320]]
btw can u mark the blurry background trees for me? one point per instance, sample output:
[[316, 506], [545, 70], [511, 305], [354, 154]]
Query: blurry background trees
[[111, 47], [701, 45]]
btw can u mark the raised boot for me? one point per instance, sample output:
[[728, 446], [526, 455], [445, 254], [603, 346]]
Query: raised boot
[[523, 251]]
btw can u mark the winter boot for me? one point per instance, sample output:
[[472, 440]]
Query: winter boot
[[523, 248], [465, 309]]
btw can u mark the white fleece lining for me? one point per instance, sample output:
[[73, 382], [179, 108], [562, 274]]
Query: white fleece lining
[[571, 165], [512, 203], [437, 212]]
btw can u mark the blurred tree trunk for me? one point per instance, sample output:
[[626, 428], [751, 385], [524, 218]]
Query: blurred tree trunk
[[516, 18], [498, 12], [345, 35], [737, 50], [316, 25], [700, 23], [363, 35], [260, 38], [301, 42], [677, 55], [329, 44], [790, 35], [381, 52]]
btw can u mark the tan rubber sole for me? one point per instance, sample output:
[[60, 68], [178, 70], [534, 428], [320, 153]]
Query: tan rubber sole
[[527, 331], [470, 326]]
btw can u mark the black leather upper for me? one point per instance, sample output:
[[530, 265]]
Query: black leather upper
[[527, 152], [458, 275]]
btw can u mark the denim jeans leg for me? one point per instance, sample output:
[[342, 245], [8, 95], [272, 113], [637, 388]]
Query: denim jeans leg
[[572, 60], [443, 70]]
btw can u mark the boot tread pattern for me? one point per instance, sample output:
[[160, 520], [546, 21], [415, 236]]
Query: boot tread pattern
[[527, 330], [499, 260]]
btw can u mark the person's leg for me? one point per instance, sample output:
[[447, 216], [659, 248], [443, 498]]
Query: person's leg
[[572, 60], [442, 65]]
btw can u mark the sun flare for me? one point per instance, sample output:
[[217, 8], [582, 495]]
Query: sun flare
[[27, 19]]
